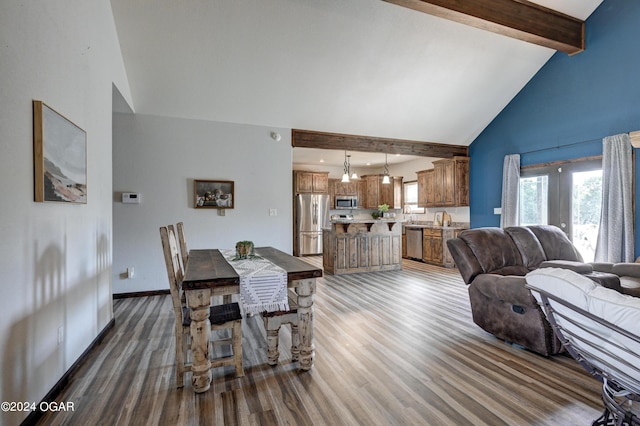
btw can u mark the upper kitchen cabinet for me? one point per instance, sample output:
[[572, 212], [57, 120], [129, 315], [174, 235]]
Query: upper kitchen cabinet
[[310, 182], [446, 185], [380, 193], [361, 191], [333, 183], [346, 188], [426, 188]]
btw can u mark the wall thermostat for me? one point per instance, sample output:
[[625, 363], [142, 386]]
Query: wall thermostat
[[131, 197]]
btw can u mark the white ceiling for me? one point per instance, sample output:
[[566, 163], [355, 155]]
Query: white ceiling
[[363, 67]]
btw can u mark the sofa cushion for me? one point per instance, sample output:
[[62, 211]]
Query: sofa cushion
[[530, 248], [630, 285], [555, 243], [579, 267], [493, 248], [564, 283], [626, 269], [601, 340]]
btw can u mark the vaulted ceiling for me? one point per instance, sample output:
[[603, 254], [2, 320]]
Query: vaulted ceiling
[[361, 67]]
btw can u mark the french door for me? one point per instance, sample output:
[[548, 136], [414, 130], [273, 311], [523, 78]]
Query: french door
[[568, 195]]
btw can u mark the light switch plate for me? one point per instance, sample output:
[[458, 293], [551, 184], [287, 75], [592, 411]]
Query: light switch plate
[[131, 198]]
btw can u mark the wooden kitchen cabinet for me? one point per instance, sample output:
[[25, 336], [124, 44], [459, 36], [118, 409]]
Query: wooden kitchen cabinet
[[310, 182], [446, 185], [426, 189], [346, 188], [332, 192], [372, 193], [378, 193], [448, 233], [432, 246], [452, 181], [361, 188]]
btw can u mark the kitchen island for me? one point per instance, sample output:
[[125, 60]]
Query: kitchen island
[[362, 245]]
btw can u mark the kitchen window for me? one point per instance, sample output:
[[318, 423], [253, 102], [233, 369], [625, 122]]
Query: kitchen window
[[411, 198]]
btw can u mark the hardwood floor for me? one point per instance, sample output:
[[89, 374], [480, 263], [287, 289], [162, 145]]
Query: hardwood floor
[[392, 348]]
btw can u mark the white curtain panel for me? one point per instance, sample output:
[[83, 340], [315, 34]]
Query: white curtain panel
[[615, 237], [510, 215]]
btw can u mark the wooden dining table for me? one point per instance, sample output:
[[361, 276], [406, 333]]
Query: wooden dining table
[[208, 274]]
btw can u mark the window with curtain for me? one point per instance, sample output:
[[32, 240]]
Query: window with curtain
[[565, 194], [616, 235]]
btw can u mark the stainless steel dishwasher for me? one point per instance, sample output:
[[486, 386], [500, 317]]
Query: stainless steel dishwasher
[[414, 243]]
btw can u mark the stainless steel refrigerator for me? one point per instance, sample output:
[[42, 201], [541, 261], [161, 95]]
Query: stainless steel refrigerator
[[312, 214]]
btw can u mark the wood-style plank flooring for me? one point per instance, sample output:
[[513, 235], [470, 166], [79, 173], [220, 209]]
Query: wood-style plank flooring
[[392, 348]]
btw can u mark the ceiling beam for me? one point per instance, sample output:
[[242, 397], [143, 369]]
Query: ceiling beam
[[518, 19], [322, 140]]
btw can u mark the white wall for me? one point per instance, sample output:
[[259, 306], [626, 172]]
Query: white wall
[[159, 157], [408, 169], [55, 259]]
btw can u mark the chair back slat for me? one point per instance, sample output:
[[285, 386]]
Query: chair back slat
[[183, 244], [174, 269]]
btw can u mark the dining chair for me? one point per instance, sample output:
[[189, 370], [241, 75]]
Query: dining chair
[[272, 323], [183, 244], [225, 316], [184, 253]]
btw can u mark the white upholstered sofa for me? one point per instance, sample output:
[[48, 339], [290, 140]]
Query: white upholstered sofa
[[600, 328]]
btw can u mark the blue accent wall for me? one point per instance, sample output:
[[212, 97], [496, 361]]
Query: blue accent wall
[[566, 108]]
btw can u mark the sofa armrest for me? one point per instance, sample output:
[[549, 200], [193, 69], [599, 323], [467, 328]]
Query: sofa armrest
[[464, 259], [602, 266], [579, 267], [508, 288], [626, 269]]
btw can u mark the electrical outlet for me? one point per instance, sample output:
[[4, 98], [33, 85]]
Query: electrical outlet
[[60, 334], [273, 212], [130, 272]]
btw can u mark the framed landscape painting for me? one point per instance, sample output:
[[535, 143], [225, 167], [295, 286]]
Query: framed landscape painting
[[60, 157], [217, 194]]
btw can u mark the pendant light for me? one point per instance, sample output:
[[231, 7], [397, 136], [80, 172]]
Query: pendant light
[[345, 176], [385, 179]]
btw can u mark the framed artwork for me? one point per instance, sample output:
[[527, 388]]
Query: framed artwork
[[215, 194], [59, 157]]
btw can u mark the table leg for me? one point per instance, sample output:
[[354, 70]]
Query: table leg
[[305, 289], [199, 302]]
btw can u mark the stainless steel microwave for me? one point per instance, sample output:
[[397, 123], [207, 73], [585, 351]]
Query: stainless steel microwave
[[346, 202]]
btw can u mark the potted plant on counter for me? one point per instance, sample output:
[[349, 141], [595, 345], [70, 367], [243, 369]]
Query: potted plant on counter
[[382, 209]]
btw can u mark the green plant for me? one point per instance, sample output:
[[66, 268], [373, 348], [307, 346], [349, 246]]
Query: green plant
[[244, 249], [383, 208]]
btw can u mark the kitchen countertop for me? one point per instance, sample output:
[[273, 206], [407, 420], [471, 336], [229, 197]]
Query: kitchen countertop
[[366, 220], [422, 226]]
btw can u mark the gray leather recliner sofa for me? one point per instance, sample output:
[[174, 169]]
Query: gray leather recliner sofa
[[494, 261]]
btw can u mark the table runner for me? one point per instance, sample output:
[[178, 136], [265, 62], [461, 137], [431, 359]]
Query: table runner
[[263, 285]]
